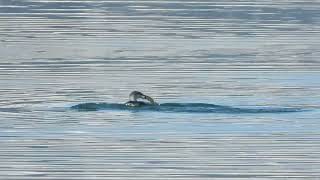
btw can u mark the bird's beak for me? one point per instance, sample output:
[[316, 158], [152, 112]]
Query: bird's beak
[[150, 99]]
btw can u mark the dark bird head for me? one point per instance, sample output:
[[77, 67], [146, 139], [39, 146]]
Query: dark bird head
[[135, 95]]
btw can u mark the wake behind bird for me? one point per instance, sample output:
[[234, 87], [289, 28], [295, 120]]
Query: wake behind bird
[[181, 108]]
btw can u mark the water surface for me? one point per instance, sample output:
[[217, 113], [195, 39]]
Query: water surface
[[224, 56]]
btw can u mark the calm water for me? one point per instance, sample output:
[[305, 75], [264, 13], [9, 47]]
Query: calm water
[[236, 56]]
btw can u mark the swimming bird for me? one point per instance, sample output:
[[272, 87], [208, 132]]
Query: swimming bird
[[133, 100]]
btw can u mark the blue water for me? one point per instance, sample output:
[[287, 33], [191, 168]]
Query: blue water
[[237, 82], [181, 108]]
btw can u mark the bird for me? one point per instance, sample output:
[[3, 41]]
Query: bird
[[133, 100]]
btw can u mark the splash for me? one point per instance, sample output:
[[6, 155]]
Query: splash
[[181, 108]]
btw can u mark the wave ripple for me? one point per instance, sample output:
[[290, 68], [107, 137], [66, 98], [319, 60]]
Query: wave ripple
[[182, 108]]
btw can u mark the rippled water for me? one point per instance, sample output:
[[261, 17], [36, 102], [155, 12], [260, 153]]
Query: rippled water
[[227, 60]]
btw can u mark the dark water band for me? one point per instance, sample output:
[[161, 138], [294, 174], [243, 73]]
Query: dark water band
[[182, 108]]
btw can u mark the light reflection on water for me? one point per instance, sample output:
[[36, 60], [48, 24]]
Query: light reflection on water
[[246, 54]]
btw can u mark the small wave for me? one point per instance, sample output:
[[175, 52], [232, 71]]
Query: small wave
[[181, 108], [10, 110]]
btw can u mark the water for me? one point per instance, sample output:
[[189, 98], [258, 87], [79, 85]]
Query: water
[[179, 108], [237, 82]]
